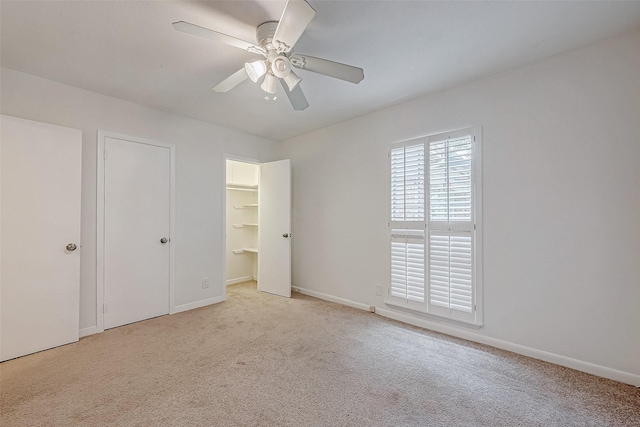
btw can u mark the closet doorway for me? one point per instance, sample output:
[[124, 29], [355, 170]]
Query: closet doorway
[[258, 224]]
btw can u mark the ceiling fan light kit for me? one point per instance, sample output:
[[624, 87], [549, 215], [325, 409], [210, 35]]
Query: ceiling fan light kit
[[292, 80], [255, 70], [269, 83], [280, 66], [275, 41]]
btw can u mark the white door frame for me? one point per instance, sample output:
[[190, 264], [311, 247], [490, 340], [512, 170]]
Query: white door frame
[[102, 135], [235, 158]]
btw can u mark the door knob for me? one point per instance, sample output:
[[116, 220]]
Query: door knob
[[71, 247], [163, 240], [285, 235]]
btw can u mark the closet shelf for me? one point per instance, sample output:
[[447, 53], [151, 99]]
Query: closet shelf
[[241, 187], [243, 250], [255, 205], [246, 224]]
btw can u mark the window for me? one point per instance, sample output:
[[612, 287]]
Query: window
[[435, 228]]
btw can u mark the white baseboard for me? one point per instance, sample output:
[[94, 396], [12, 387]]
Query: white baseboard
[[331, 298], [197, 304], [85, 332], [178, 309], [579, 365], [239, 280]]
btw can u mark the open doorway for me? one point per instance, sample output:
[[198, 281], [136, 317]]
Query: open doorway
[[258, 225], [241, 221]]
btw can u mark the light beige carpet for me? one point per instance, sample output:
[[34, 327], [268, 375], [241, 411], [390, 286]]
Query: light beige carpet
[[262, 360]]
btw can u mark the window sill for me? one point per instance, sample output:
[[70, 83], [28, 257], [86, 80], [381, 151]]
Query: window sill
[[436, 317]]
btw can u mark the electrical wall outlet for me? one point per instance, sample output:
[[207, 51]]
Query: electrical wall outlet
[[378, 289], [205, 283]]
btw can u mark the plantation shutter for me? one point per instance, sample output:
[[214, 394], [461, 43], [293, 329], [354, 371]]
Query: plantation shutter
[[408, 220], [435, 226], [407, 264], [407, 183], [451, 225], [450, 270]]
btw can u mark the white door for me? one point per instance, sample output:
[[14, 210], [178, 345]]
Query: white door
[[40, 172], [137, 206], [274, 231]]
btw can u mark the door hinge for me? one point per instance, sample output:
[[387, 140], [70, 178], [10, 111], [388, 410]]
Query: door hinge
[[104, 307], [475, 308]]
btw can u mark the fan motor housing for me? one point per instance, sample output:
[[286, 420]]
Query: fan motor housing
[[265, 32]]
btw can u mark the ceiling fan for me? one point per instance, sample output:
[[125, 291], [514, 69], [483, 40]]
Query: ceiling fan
[[275, 41]]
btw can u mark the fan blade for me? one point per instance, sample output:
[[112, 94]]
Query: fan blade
[[296, 96], [232, 81], [196, 30], [328, 68], [296, 16]]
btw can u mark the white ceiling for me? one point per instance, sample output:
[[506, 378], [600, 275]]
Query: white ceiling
[[129, 50]]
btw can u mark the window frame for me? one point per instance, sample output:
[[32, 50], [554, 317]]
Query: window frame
[[427, 226]]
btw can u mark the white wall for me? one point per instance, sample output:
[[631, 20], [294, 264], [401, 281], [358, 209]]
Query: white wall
[[561, 189], [200, 152]]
